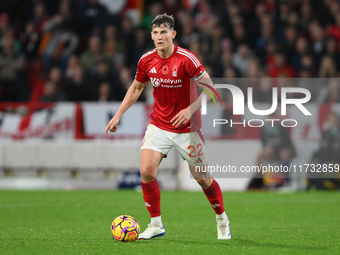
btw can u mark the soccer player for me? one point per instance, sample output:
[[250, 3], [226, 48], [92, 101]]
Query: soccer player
[[174, 121]]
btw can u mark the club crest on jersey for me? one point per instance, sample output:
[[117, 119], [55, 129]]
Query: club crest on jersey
[[174, 71], [165, 69]]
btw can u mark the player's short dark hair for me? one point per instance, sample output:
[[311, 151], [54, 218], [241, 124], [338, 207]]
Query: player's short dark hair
[[164, 19]]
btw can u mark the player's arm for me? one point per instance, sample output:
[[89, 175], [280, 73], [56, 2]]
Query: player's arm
[[130, 98], [198, 103], [184, 115]]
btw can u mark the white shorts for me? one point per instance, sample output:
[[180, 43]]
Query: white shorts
[[189, 145]]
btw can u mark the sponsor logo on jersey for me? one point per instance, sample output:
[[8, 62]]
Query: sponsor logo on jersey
[[165, 69], [155, 82], [167, 83]]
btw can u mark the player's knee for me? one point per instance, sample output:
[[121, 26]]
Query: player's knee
[[147, 175], [204, 182]]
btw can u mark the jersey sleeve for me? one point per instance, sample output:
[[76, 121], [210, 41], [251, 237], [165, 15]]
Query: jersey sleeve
[[194, 68], [141, 74]]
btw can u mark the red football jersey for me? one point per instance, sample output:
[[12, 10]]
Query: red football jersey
[[172, 90]]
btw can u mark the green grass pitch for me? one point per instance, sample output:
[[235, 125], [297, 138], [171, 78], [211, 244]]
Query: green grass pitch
[[78, 222]]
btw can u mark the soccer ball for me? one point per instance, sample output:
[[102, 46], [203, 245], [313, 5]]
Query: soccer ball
[[125, 229]]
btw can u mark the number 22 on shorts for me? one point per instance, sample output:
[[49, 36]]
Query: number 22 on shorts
[[193, 150]]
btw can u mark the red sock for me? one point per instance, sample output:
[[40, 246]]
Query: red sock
[[215, 197], [152, 197]]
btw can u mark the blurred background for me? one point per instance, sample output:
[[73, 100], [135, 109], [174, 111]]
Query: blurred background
[[65, 65]]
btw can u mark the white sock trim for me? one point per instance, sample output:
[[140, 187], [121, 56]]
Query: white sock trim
[[157, 221], [222, 216]]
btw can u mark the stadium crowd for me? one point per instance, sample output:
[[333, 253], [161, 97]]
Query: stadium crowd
[[77, 50]]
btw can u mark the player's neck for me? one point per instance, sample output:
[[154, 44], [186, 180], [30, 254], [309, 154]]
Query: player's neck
[[166, 52]]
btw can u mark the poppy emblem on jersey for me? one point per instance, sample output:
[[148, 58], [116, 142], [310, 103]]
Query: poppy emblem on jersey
[[165, 69]]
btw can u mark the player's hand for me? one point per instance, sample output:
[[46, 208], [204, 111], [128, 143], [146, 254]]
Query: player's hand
[[181, 118], [112, 125]]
